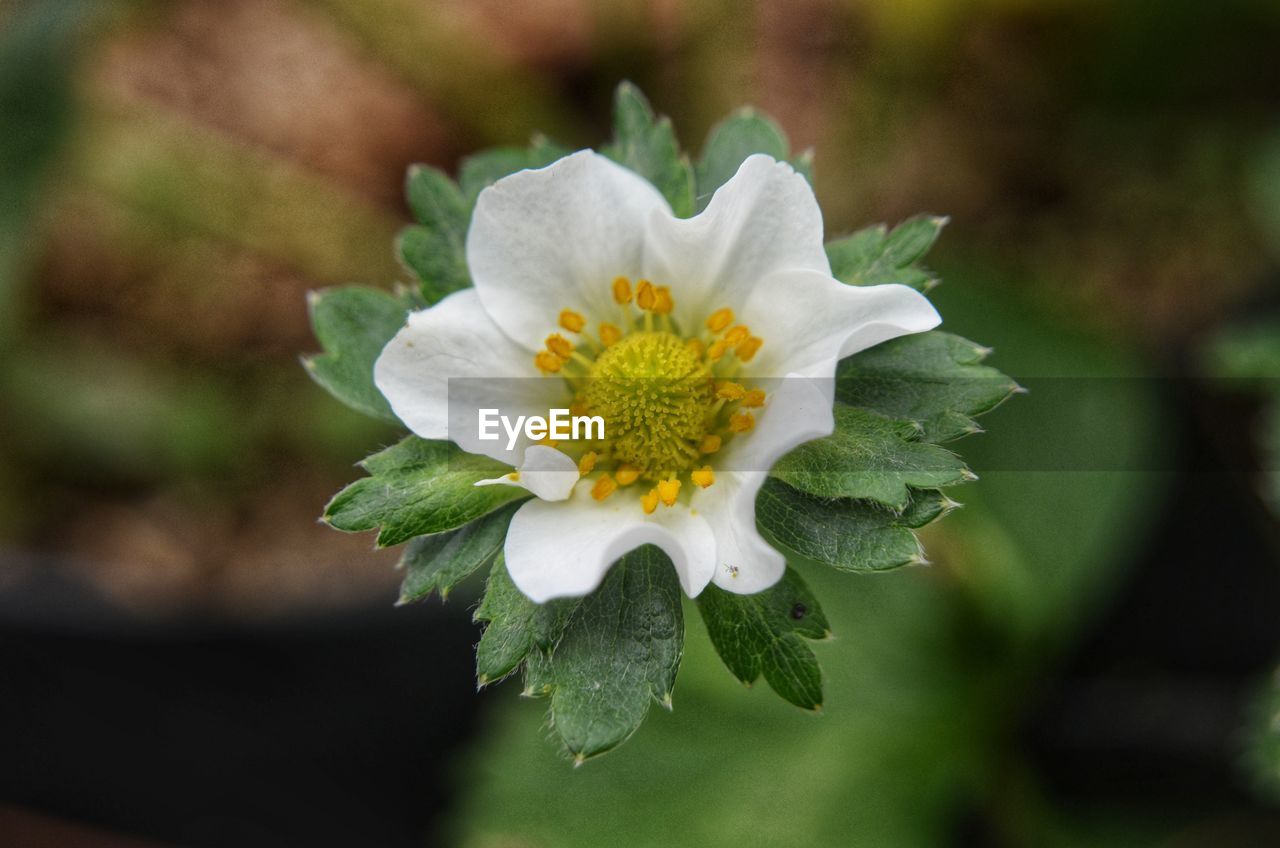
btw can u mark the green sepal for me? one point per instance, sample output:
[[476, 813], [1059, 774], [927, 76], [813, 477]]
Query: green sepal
[[419, 487], [647, 145], [483, 169], [441, 561], [848, 535], [934, 379], [764, 634], [434, 249], [747, 131], [870, 457], [875, 255], [620, 651], [353, 325], [515, 625]]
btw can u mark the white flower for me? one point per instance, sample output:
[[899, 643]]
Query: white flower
[[590, 295]]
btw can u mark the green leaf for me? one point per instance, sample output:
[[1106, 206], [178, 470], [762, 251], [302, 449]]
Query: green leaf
[[761, 634], [516, 626], [621, 649], [731, 141], [934, 379], [850, 535], [874, 256], [434, 249], [872, 457], [416, 488], [647, 145], [487, 167], [441, 561], [353, 324]]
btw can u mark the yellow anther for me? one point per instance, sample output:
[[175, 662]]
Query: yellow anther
[[710, 444], [646, 296], [587, 463], [548, 362], [696, 346], [572, 321], [609, 334], [720, 319], [626, 474], [621, 289], [742, 422], [753, 398], [748, 347], [514, 476], [650, 501], [559, 345], [604, 487], [703, 477], [664, 303], [730, 391], [668, 491], [717, 350], [736, 335]]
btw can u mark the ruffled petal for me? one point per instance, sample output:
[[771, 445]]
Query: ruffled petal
[[809, 321], [798, 410], [564, 549], [449, 362], [763, 220], [546, 472], [554, 238]]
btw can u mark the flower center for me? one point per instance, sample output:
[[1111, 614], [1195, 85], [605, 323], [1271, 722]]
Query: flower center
[[655, 396], [667, 396]]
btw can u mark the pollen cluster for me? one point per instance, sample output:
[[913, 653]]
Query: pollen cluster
[[667, 393]]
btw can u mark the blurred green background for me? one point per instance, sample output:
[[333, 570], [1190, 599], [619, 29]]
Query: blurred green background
[[1075, 667]]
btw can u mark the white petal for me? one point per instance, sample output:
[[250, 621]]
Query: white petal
[[563, 550], [809, 320], [546, 472], [763, 220], [798, 410], [450, 361], [545, 240]]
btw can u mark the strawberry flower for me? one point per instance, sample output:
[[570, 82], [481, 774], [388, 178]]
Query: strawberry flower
[[706, 344]]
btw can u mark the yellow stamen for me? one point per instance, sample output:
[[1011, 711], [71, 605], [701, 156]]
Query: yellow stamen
[[742, 422], [650, 501], [587, 463], [736, 335], [703, 477], [514, 476], [626, 474], [664, 303], [696, 346], [603, 488], [748, 347], [668, 491], [572, 321], [710, 444], [548, 362], [622, 290], [559, 345], [609, 334], [646, 297], [717, 350], [730, 391], [720, 319], [753, 398]]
